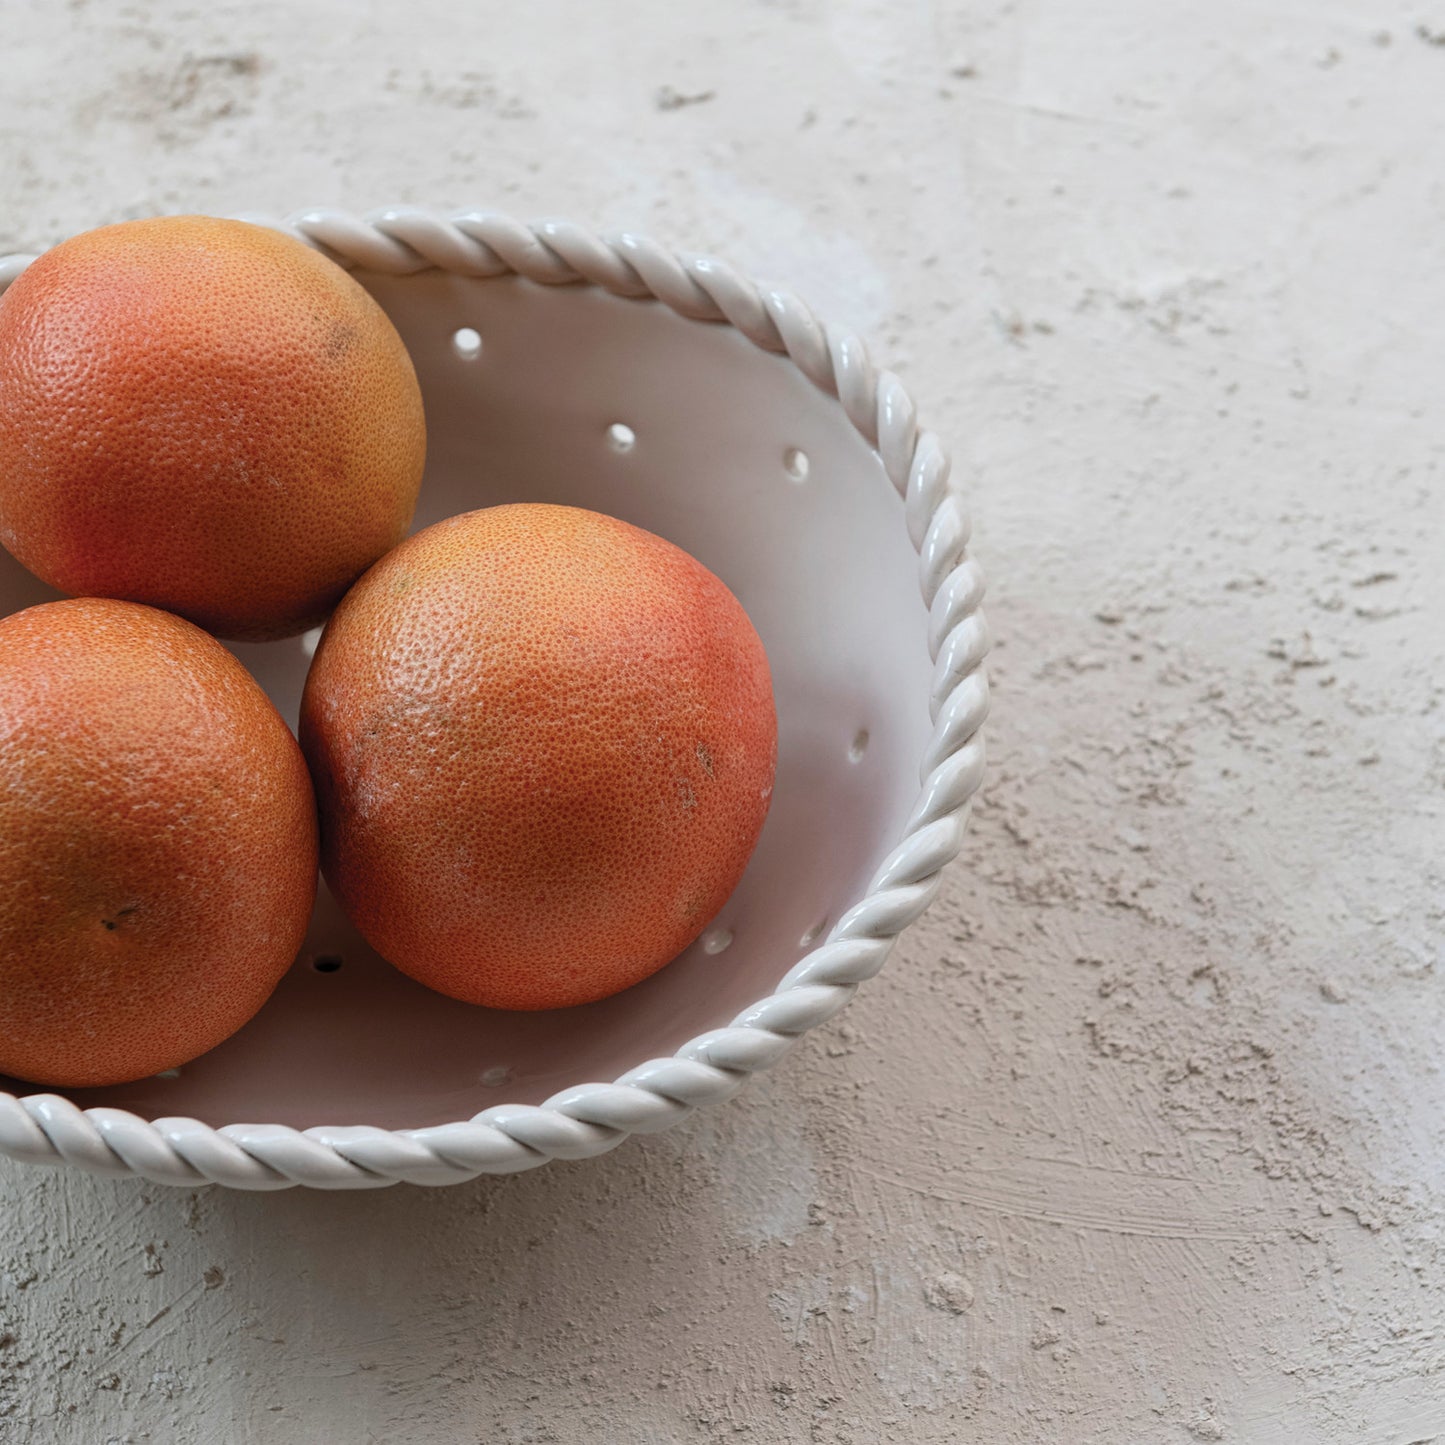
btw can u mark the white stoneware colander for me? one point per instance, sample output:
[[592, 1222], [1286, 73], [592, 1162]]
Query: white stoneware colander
[[667, 390]]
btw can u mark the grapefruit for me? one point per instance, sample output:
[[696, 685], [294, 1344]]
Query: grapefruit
[[206, 416], [157, 843], [543, 743]]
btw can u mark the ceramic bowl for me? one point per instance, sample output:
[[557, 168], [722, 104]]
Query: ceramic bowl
[[561, 367]]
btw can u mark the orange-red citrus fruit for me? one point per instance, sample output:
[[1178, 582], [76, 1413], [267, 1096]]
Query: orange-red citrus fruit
[[157, 843], [206, 416], [543, 743]]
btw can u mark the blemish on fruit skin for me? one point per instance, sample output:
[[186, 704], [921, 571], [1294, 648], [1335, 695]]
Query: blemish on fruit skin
[[111, 924], [340, 339], [705, 758]]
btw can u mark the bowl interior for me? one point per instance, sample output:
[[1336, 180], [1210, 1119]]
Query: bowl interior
[[570, 395]]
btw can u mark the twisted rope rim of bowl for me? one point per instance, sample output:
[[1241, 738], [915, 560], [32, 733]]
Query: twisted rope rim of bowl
[[590, 1119]]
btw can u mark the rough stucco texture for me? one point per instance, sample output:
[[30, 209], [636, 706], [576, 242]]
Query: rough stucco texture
[[1139, 1139]]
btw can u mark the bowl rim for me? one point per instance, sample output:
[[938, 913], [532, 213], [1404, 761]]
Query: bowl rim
[[590, 1119]]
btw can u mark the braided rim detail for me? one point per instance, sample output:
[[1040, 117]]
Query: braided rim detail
[[590, 1119]]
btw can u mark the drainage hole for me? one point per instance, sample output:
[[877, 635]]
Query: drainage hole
[[467, 343]]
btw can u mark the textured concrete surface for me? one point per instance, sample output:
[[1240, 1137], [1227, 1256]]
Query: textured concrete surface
[[1140, 1137]]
